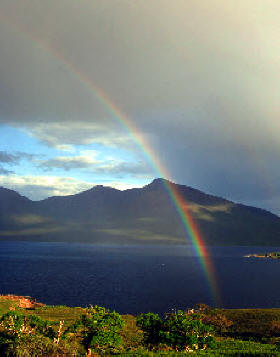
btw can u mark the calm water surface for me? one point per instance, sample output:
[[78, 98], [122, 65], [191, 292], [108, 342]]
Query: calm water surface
[[133, 279]]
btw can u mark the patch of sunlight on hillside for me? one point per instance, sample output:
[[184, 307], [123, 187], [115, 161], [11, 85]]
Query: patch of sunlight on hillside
[[206, 212]]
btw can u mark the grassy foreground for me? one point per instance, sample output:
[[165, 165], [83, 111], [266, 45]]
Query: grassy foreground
[[240, 332]]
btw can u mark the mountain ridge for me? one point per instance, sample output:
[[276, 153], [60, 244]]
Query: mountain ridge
[[144, 215]]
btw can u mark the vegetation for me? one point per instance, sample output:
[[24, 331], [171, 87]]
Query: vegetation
[[180, 331], [96, 331], [273, 255], [99, 330], [29, 335]]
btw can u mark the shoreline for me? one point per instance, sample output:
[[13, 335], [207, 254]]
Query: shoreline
[[274, 255]]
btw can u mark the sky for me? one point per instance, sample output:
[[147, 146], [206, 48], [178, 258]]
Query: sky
[[118, 92]]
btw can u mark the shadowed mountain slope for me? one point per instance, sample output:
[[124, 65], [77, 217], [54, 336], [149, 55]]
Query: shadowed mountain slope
[[141, 215]]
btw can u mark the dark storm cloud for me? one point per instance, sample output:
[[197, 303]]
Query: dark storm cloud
[[245, 171], [156, 56], [200, 78]]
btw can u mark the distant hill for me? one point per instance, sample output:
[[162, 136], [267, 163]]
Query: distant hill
[[140, 215]]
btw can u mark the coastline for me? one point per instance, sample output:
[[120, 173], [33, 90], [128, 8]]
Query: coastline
[[274, 255]]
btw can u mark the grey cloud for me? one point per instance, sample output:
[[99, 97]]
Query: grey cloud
[[60, 134], [91, 165], [14, 158], [201, 79], [138, 169], [163, 56], [245, 172], [67, 163], [8, 158], [270, 204]]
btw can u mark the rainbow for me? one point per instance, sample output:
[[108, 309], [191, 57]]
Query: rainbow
[[126, 123]]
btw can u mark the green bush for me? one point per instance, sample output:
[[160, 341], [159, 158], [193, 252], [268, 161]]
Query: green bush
[[34, 345], [151, 325], [179, 331], [99, 329], [15, 325], [28, 335]]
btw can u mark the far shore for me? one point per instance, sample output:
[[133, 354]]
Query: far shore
[[274, 255]]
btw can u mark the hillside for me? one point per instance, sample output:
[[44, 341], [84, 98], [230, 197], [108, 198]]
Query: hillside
[[140, 215], [238, 332]]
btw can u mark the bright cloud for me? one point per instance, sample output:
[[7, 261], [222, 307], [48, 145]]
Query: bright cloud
[[64, 135], [40, 187]]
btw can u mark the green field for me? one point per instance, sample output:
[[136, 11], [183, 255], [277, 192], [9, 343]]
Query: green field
[[240, 332]]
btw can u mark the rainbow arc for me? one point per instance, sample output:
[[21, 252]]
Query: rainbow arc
[[180, 204]]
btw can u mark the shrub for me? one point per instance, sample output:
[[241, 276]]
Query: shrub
[[182, 331], [35, 345], [218, 321], [179, 331], [29, 335], [16, 325], [151, 325], [99, 329]]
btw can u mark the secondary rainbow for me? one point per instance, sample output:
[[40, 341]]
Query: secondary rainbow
[[126, 123]]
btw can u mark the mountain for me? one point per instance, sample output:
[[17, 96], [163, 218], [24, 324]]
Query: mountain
[[140, 215]]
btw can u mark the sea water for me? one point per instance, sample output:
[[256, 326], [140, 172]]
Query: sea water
[[134, 279]]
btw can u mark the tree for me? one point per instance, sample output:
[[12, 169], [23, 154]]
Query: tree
[[180, 331], [151, 325], [100, 330]]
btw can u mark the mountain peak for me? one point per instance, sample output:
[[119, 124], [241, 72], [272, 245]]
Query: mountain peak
[[99, 189], [158, 183], [145, 215], [103, 188]]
